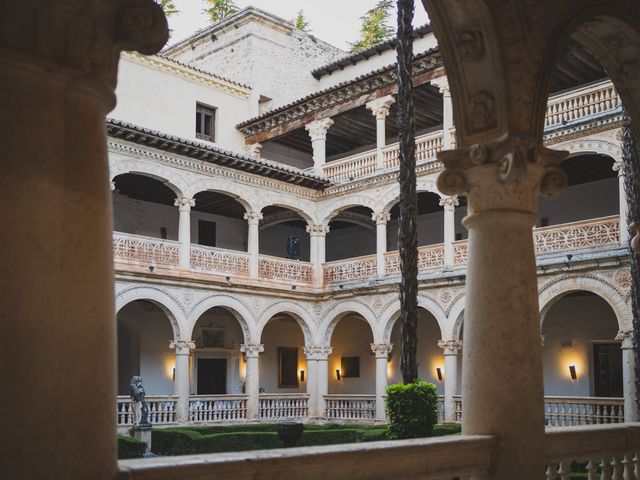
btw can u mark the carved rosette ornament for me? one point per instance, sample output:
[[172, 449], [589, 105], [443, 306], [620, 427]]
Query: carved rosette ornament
[[381, 218], [184, 203], [317, 352], [252, 350], [626, 337], [182, 347], [318, 230], [450, 347], [382, 350], [253, 218]]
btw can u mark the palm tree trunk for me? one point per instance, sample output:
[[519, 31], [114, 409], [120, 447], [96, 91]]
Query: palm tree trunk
[[407, 234]]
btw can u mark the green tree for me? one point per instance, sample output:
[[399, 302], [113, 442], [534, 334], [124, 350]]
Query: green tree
[[219, 9], [168, 7], [301, 22], [375, 26]]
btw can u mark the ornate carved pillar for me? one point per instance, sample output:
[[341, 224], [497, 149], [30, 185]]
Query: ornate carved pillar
[[380, 108], [624, 230], [451, 350], [253, 242], [447, 111], [628, 376], [254, 150], [317, 240], [181, 378], [502, 181], [317, 378], [184, 205], [381, 351], [252, 353], [58, 68], [381, 220], [318, 132], [449, 204]]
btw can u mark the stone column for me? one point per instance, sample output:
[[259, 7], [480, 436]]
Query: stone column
[[184, 205], [380, 108], [318, 132], [254, 150], [624, 229], [381, 351], [381, 220], [449, 204], [628, 376], [451, 349], [57, 75], [317, 378], [253, 242], [252, 353], [447, 111], [317, 238], [181, 381], [502, 375]]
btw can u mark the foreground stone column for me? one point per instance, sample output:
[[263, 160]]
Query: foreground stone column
[[317, 379], [628, 376], [381, 220], [451, 349], [57, 72], [317, 239], [318, 132], [252, 353], [253, 242], [449, 204], [181, 383], [624, 229], [502, 361], [381, 351], [380, 108], [184, 205]]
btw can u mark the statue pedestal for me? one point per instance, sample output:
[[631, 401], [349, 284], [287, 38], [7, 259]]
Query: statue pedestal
[[142, 433]]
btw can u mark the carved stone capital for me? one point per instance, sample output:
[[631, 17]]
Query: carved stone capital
[[317, 230], [443, 85], [626, 337], [617, 167], [381, 218], [317, 352], [252, 350], [449, 202], [503, 175], [253, 217], [380, 106], [182, 346], [450, 347], [112, 186], [381, 350], [254, 150], [184, 203], [318, 129]]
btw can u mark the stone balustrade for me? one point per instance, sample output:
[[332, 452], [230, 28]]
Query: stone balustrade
[[352, 167], [283, 406], [351, 269], [576, 411], [218, 260], [578, 235], [581, 103], [162, 410], [351, 407], [275, 268], [217, 408], [147, 250]]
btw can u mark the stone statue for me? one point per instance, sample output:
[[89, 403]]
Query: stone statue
[[139, 405]]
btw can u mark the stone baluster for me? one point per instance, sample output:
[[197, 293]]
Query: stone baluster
[[318, 246], [381, 351], [624, 229], [252, 353], [502, 181], [380, 108], [318, 133], [628, 376], [447, 111], [181, 378], [253, 241], [317, 378], [381, 220], [449, 204], [451, 350], [184, 205]]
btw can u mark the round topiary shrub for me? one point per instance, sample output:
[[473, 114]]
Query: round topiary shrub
[[412, 409]]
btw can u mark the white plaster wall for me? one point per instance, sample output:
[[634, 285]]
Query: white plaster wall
[[574, 322], [166, 102], [283, 332], [352, 337]]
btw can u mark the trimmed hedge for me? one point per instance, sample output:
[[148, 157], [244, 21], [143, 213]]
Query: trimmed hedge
[[446, 429], [130, 447], [412, 409]]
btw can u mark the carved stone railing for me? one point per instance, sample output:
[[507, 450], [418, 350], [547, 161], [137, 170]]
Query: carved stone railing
[[602, 452], [429, 257], [575, 411], [275, 268], [351, 407], [137, 248], [581, 103], [283, 406], [352, 269], [162, 410], [352, 167], [217, 408], [458, 402], [218, 260], [440, 411], [578, 235], [427, 146]]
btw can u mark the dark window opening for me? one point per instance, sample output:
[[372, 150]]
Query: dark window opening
[[206, 233], [287, 367], [350, 367], [607, 359], [205, 122]]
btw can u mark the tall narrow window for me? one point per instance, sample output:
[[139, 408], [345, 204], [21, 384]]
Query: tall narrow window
[[205, 122]]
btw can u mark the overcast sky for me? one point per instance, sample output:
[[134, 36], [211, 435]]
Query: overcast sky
[[334, 21]]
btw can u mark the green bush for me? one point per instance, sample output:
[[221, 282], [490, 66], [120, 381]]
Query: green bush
[[328, 437], [446, 429], [412, 409], [130, 447], [373, 434]]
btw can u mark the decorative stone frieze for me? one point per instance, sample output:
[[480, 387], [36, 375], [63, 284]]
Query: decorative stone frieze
[[381, 350], [252, 350], [317, 352], [318, 129], [450, 347], [184, 203]]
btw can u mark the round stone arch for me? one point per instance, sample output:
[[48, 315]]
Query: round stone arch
[[305, 209], [335, 314], [455, 318], [391, 314], [240, 194], [296, 311], [235, 306], [556, 290], [344, 203], [601, 147], [159, 297], [164, 175], [392, 197]]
